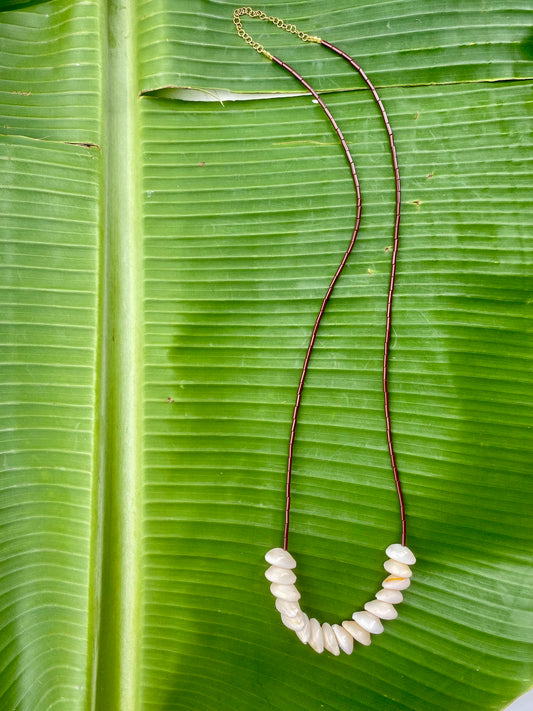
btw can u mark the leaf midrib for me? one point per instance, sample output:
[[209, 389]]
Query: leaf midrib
[[114, 629]]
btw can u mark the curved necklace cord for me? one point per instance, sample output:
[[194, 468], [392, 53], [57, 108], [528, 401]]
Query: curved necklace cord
[[258, 14]]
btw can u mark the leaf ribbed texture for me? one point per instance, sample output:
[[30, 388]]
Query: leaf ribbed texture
[[222, 441], [243, 211], [400, 42], [50, 74], [49, 298]]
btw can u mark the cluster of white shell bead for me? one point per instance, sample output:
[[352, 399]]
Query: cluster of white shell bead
[[364, 623]]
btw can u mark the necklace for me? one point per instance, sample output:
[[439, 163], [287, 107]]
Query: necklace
[[365, 622]]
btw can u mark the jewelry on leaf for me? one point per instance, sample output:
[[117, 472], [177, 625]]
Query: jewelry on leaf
[[365, 622]]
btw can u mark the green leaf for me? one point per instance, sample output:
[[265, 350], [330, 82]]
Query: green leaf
[[398, 41], [49, 201], [158, 290]]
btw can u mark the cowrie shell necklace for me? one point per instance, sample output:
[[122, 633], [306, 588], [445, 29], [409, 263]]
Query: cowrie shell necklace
[[280, 574]]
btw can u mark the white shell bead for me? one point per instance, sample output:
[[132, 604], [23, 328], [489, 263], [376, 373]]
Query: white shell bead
[[281, 558], [395, 583], [401, 553], [294, 623], [330, 641], [389, 595], [358, 633], [316, 637], [287, 608], [368, 622], [344, 639], [305, 632], [285, 592], [383, 610], [399, 569], [280, 575]]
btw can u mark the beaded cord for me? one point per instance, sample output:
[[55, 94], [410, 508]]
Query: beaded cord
[[280, 574]]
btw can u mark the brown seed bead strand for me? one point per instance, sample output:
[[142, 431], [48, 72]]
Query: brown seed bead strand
[[368, 621]]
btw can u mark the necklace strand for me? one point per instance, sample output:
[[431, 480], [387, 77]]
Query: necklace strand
[[363, 623]]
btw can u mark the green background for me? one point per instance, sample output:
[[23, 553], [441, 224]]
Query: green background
[[158, 289]]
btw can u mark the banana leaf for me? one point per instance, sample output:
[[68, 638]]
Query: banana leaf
[[162, 263]]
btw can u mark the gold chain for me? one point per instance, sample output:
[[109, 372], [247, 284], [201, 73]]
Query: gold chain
[[260, 15]]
